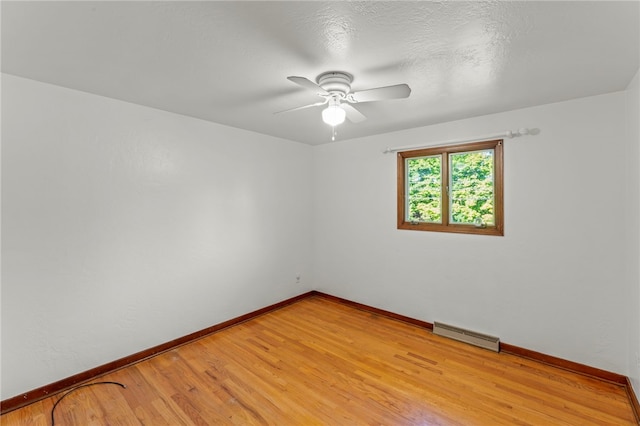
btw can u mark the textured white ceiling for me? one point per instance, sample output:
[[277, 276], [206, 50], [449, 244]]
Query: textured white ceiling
[[227, 62]]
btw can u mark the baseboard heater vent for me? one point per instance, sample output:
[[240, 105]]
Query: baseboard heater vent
[[477, 339]]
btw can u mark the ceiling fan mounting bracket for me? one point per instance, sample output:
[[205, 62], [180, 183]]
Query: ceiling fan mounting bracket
[[337, 83]]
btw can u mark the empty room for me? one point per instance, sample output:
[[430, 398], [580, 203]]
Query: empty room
[[320, 213]]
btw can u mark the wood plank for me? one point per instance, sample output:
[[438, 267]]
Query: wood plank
[[319, 361]]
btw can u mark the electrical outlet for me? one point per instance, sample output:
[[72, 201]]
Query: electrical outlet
[[298, 276]]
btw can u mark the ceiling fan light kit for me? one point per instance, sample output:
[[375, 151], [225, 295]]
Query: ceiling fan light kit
[[333, 115], [335, 88]]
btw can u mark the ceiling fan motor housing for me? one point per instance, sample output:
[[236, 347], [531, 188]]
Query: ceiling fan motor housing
[[335, 82]]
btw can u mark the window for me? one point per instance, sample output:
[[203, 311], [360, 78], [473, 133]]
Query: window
[[454, 188]]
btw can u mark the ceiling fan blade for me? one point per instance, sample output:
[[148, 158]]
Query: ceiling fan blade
[[303, 107], [397, 91], [353, 114], [308, 84]]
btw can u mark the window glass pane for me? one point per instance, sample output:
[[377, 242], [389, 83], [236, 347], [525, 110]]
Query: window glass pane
[[424, 189], [471, 185]]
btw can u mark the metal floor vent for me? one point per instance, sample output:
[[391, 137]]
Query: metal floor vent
[[477, 339]]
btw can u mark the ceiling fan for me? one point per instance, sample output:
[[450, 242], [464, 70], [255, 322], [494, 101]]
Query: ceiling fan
[[335, 88]]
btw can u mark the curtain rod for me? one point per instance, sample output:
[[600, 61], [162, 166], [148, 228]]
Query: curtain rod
[[510, 134]]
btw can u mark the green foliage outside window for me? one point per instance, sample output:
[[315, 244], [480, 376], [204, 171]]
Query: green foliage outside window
[[424, 186], [472, 199], [471, 188]]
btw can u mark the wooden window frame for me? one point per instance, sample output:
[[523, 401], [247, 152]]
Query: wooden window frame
[[445, 226]]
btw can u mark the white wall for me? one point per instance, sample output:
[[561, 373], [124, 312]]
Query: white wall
[[555, 283], [633, 227], [125, 227]]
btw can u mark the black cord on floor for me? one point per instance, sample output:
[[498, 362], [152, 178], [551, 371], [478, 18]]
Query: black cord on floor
[[53, 420]]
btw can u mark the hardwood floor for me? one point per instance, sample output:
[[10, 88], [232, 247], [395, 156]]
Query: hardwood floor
[[320, 362]]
